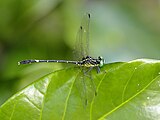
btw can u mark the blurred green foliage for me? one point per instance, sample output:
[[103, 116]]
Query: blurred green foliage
[[38, 29]]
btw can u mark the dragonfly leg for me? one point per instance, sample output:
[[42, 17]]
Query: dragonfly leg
[[98, 69], [88, 71]]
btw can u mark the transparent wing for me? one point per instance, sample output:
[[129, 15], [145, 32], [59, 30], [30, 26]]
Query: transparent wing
[[86, 87], [85, 29], [82, 39]]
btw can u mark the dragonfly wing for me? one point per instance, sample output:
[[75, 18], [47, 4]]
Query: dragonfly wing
[[82, 39], [86, 87], [85, 31]]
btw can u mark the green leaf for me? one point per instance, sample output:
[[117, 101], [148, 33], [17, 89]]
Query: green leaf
[[128, 90]]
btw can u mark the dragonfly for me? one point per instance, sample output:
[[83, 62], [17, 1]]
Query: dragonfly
[[82, 52], [83, 39]]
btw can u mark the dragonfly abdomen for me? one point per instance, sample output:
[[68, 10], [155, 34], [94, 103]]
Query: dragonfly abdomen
[[40, 61]]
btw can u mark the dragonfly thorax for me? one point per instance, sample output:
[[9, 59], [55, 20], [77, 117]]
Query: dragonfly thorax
[[91, 62]]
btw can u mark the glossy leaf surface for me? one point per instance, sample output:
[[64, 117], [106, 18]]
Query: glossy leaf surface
[[124, 90]]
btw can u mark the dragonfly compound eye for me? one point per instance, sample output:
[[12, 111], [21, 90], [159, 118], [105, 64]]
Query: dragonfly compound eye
[[101, 61]]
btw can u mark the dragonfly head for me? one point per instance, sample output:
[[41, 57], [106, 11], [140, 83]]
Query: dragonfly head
[[101, 61]]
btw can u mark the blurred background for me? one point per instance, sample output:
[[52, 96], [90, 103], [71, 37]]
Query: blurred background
[[120, 30]]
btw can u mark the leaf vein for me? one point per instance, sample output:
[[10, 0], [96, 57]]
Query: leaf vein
[[110, 70], [44, 99], [66, 102], [125, 87], [107, 114], [33, 104], [12, 112]]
